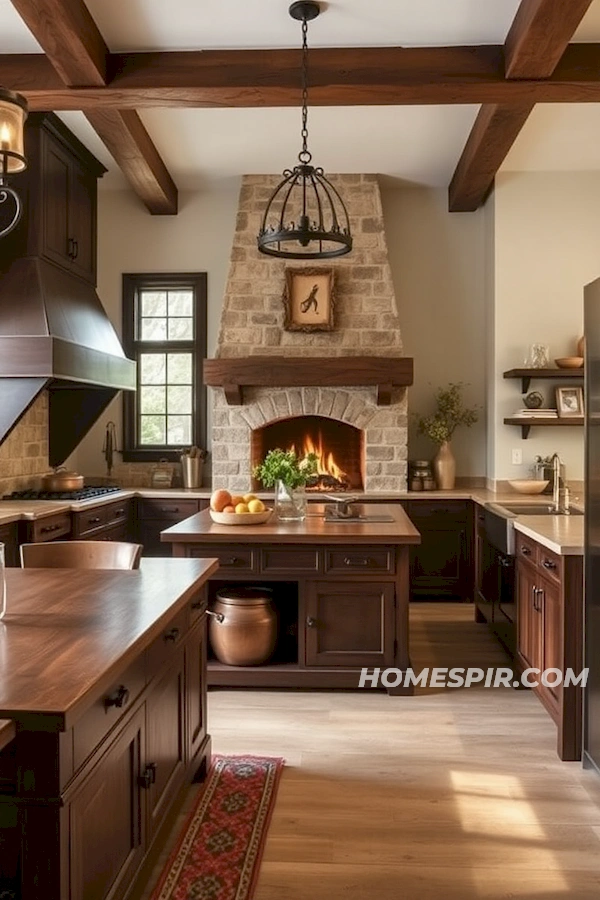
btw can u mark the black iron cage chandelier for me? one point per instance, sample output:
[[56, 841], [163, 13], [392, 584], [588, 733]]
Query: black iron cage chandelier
[[13, 112], [305, 217]]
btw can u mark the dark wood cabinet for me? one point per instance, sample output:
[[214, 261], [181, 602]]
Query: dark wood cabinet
[[154, 514], [60, 198], [550, 633], [195, 686], [106, 815], [104, 522], [441, 565], [349, 624], [9, 536]]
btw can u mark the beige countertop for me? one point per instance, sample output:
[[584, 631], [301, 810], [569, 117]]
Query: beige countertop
[[562, 534]]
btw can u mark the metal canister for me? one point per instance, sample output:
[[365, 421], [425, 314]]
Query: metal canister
[[242, 625]]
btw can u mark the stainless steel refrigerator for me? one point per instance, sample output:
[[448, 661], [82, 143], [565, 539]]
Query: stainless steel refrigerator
[[592, 523]]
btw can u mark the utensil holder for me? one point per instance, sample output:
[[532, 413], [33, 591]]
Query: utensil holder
[[191, 470]]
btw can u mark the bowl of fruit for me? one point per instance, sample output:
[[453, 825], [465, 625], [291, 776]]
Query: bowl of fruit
[[237, 509]]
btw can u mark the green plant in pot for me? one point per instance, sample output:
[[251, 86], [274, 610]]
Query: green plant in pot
[[287, 473], [449, 414]]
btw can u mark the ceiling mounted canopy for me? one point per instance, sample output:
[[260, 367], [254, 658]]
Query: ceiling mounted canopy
[[13, 112], [305, 217]]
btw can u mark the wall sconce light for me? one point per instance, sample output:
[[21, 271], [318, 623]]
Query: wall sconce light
[[13, 112]]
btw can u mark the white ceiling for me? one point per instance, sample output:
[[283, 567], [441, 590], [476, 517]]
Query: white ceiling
[[416, 144]]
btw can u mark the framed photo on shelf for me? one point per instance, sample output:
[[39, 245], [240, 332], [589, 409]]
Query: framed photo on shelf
[[309, 299], [569, 401]]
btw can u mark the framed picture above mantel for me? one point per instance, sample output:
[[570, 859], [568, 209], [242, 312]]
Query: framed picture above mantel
[[309, 299]]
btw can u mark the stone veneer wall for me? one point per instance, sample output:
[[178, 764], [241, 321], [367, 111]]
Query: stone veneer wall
[[366, 323], [24, 453]]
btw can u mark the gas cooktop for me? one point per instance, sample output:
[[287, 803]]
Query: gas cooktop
[[84, 493]]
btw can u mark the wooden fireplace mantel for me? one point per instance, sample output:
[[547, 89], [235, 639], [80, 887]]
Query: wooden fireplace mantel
[[234, 374]]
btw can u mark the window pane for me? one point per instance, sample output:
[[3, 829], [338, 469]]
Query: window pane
[[179, 368], [181, 329], [154, 330], [153, 303], [179, 430], [153, 368], [152, 430], [181, 303], [153, 400], [179, 400]]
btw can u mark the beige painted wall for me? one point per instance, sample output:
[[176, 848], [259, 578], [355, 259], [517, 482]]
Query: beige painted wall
[[131, 240], [437, 262], [546, 248]]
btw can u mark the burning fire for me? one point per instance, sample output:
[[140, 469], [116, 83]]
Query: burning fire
[[326, 464]]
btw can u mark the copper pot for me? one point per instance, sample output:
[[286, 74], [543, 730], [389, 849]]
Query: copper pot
[[61, 480], [242, 626]]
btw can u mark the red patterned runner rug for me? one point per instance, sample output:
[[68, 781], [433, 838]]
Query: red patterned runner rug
[[218, 853]]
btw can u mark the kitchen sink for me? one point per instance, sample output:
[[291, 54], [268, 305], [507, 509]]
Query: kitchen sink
[[534, 509]]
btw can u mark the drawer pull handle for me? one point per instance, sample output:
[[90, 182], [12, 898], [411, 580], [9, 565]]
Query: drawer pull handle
[[548, 564], [118, 698], [49, 528], [312, 623], [119, 512], [357, 561], [169, 509], [94, 520], [197, 604], [218, 616], [525, 551], [171, 635], [232, 561], [148, 776]]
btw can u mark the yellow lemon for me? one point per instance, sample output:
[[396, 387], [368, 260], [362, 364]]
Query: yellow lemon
[[256, 506], [241, 508], [248, 497]]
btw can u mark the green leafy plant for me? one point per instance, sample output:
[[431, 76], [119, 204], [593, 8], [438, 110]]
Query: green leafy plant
[[284, 465], [449, 414]]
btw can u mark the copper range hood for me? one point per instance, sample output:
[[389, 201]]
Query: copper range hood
[[55, 335]]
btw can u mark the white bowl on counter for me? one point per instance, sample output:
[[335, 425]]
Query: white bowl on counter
[[529, 485]]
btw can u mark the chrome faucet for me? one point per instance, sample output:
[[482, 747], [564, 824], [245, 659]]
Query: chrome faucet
[[559, 491]]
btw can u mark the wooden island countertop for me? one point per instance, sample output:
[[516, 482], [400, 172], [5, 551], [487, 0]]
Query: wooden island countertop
[[340, 590], [314, 529]]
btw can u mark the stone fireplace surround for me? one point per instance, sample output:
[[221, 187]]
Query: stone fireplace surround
[[366, 324]]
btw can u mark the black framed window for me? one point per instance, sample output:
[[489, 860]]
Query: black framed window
[[164, 330]]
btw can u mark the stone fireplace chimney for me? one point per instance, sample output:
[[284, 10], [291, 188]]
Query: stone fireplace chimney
[[365, 324]]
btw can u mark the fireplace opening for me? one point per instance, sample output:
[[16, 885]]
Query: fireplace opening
[[339, 447]]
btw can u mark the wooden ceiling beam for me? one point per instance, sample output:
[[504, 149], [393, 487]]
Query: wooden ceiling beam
[[339, 77], [537, 47], [69, 37], [76, 50], [124, 134], [492, 135], [540, 34]]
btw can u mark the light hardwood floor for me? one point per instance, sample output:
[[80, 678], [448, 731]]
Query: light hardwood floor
[[452, 794]]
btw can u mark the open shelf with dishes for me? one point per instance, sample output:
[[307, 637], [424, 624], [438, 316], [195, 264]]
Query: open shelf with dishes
[[525, 422]]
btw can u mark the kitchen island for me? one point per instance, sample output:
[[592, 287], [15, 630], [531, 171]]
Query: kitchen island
[[102, 673], [340, 589]]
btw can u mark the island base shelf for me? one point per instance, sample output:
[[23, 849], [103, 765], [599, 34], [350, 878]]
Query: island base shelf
[[292, 675]]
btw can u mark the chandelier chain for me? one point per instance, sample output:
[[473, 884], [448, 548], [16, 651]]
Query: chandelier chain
[[305, 155]]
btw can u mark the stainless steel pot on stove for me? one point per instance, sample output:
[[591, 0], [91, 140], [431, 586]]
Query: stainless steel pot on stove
[[62, 480]]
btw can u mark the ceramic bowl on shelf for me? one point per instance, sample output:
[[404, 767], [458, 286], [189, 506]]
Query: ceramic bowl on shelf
[[223, 518], [569, 362], [529, 485]]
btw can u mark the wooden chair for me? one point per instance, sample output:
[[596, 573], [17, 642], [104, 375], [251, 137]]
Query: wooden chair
[[81, 555]]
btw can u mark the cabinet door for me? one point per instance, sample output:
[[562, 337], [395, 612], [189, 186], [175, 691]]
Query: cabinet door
[[57, 164], [107, 822], [82, 222], [349, 624], [195, 689], [165, 754], [8, 537], [529, 619], [439, 566], [552, 657]]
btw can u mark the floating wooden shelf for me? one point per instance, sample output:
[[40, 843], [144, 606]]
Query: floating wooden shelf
[[525, 423], [234, 374], [527, 374]]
